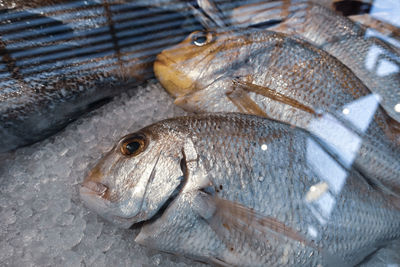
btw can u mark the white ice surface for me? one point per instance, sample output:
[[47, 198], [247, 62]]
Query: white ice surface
[[43, 221]]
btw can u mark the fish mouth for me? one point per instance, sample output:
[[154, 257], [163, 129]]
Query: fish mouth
[[176, 82], [95, 201], [93, 188], [92, 195], [164, 59]]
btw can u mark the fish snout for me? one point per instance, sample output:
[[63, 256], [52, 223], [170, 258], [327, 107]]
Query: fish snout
[[172, 79], [162, 58], [93, 188], [95, 196]]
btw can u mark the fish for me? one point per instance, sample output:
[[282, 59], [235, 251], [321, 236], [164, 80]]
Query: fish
[[368, 52], [277, 76], [239, 190], [61, 61]]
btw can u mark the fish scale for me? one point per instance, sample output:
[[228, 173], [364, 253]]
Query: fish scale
[[224, 214], [283, 65], [353, 45], [279, 168]]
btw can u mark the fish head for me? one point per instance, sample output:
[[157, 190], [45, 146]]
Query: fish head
[[136, 177], [197, 61]]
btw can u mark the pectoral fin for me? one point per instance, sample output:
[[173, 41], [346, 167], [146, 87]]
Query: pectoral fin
[[244, 103], [272, 94], [229, 219], [226, 217]]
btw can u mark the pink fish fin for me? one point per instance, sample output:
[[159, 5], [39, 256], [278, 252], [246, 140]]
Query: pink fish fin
[[226, 218], [272, 94], [213, 12], [292, 16], [264, 13], [208, 14], [244, 103], [253, 14]]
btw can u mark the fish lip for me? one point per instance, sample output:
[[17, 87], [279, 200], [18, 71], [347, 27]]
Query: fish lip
[[98, 204], [164, 60], [94, 188], [85, 191], [92, 200]]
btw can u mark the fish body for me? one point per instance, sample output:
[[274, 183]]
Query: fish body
[[57, 66], [234, 189], [273, 75], [29, 113], [374, 58]]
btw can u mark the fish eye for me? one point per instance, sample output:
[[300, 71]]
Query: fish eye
[[201, 38], [133, 145]]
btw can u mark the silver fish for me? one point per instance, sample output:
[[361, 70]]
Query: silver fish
[[375, 61], [234, 189], [62, 60], [274, 75]]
